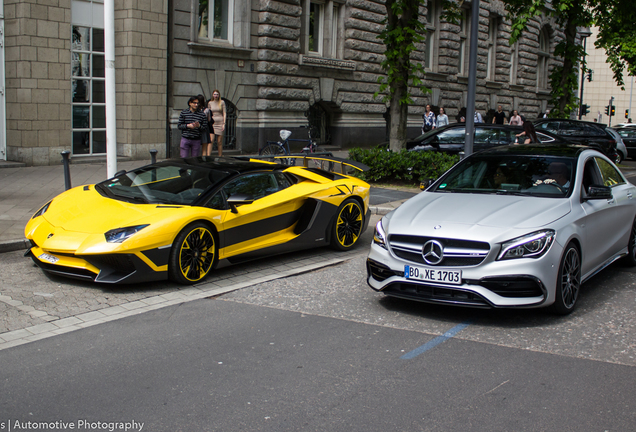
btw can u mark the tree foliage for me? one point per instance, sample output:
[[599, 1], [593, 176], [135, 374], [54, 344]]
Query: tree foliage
[[404, 30], [568, 15], [617, 36], [616, 21]]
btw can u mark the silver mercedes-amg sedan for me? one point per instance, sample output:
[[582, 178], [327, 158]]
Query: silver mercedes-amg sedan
[[515, 226]]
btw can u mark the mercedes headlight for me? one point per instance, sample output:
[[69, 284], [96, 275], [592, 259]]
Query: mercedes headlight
[[533, 245], [379, 236], [118, 235]]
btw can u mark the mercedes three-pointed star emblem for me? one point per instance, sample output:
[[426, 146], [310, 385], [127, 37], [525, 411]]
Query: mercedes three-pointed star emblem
[[433, 252]]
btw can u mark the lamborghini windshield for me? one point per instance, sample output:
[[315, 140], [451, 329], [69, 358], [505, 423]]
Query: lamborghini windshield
[[161, 184], [544, 176]]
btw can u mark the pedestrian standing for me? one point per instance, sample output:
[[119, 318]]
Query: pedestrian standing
[[442, 118], [206, 141], [515, 119], [219, 115], [500, 116], [478, 117], [192, 123], [429, 119]]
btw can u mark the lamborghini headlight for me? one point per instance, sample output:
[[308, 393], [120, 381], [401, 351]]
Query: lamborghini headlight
[[533, 245], [43, 210], [118, 235], [379, 236]]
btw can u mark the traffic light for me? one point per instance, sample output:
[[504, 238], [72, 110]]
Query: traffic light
[[626, 113], [613, 113], [585, 109], [607, 110]]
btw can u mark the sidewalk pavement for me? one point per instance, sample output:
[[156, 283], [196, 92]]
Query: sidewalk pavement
[[23, 190]]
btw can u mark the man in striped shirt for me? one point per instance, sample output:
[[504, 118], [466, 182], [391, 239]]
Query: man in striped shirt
[[192, 123]]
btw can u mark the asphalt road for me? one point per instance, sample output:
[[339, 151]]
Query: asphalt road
[[321, 351]]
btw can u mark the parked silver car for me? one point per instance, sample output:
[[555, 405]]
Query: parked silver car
[[514, 226]]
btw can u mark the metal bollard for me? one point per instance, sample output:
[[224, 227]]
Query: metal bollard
[[153, 156], [67, 170]]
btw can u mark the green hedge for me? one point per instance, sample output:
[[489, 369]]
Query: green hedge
[[406, 166]]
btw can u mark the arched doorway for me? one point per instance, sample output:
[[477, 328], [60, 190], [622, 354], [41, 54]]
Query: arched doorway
[[320, 122], [231, 114]]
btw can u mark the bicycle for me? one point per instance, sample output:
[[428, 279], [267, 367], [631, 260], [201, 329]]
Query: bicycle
[[281, 148]]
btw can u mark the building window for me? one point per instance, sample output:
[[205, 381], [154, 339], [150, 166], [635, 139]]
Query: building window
[[493, 27], [464, 32], [432, 34], [543, 57], [88, 84], [514, 62], [323, 28], [216, 18], [315, 28]]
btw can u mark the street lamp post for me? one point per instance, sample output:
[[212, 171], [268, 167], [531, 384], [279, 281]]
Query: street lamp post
[[585, 33]]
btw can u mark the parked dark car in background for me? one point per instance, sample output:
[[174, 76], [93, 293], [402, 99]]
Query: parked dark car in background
[[621, 150], [580, 132], [450, 138], [629, 138]]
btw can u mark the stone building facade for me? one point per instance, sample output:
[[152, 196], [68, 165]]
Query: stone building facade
[[277, 63], [54, 78], [319, 62]]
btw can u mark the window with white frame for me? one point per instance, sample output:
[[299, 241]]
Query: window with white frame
[[464, 32], [88, 78], [215, 20], [493, 27], [433, 8], [323, 28], [542, 60]]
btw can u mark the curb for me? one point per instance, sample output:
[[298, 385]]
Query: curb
[[14, 245]]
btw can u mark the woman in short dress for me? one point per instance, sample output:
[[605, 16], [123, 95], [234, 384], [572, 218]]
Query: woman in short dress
[[219, 115]]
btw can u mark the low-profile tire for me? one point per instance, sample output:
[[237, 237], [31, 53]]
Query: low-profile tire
[[348, 225], [193, 254], [568, 284], [630, 259]]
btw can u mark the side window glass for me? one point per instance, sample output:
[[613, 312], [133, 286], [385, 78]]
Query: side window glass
[[611, 177], [550, 126], [256, 185], [451, 136], [217, 202], [485, 136]]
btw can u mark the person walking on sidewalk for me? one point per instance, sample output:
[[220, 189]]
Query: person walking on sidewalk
[[192, 123], [500, 116], [429, 120]]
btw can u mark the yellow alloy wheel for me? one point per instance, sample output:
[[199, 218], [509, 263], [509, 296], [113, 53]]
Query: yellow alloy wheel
[[348, 226], [193, 254]]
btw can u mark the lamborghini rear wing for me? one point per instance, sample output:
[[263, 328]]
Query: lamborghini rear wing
[[333, 163]]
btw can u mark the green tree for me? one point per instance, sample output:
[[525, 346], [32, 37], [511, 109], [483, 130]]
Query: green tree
[[568, 14], [616, 20], [404, 30]]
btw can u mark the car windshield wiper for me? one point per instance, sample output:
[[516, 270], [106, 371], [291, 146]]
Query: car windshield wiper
[[507, 192]]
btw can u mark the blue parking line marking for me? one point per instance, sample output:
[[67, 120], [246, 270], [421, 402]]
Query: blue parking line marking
[[438, 340]]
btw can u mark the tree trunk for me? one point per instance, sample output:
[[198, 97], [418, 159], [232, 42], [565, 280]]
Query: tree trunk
[[399, 116]]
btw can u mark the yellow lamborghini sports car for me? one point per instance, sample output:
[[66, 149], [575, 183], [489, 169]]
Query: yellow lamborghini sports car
[[179, 219]]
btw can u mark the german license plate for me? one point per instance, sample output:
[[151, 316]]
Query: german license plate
[[50, 258], [446, 276]]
